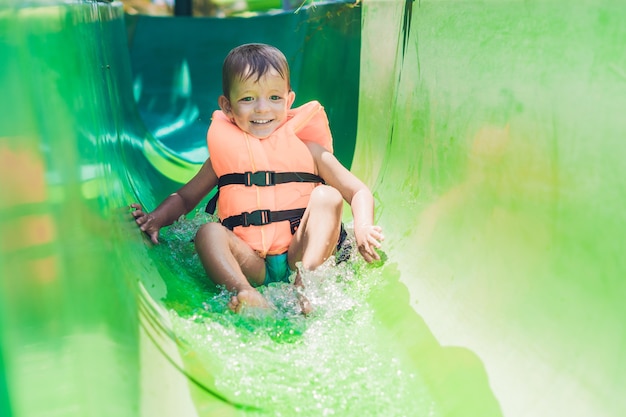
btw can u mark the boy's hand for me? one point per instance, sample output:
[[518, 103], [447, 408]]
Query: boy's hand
[[146, 222], [369, 238]]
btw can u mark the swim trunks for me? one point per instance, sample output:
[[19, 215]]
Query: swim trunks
[[277, 266], [276, 269]]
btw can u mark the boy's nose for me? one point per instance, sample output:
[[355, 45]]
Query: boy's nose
[[262, 105]]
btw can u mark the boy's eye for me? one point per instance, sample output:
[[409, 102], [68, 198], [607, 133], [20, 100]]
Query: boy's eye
[[274, 97], [246, 99]]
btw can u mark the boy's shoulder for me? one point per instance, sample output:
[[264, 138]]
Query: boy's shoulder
[[310, 124]]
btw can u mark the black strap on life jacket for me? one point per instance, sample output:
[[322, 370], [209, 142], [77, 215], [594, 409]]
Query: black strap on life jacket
[[266, 178], [260, 179], [263, 217]]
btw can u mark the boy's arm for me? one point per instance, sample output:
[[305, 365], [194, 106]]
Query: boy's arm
[[368, 236], [176, 204]]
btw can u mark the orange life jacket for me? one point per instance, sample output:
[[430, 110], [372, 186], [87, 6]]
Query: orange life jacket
[[265, 182]]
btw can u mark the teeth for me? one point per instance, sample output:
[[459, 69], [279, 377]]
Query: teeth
[[260, 122]]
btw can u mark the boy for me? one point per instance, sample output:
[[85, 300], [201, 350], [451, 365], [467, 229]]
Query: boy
[[281, 190]]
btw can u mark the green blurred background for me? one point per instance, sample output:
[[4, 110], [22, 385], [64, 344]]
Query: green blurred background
[[489, 132]]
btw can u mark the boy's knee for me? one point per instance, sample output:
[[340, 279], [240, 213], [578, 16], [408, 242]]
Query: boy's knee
[[208, 232], [327, 196]]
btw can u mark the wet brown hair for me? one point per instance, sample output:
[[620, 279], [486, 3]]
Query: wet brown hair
[[252, 59]]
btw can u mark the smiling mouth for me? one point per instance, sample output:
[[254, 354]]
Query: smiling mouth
[[261, 122]]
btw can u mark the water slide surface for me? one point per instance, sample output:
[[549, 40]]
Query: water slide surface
[[490, 133]]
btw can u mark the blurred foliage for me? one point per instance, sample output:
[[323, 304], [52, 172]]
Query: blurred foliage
[[155, 8], [215, 8]]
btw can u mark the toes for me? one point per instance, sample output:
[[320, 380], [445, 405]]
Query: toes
[[233, 304]]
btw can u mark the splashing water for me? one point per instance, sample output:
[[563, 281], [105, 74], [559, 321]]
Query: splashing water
[[335, 361]]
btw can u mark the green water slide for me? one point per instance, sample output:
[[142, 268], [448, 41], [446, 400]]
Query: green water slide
[[489, 131]]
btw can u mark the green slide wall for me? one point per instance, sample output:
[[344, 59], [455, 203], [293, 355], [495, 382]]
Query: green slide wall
[[501, 186], [489, 132], [68, 312]]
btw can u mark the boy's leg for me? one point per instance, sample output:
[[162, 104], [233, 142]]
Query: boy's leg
[[316, 237], [318, 233], [231, 262]]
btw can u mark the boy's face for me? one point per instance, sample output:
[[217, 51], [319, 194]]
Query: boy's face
[[259, 107]]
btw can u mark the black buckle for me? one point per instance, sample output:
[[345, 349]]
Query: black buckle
[[259, 178], [256, 218]]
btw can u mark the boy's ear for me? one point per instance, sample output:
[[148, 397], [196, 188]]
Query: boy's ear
[[291, 97], [224, 104]]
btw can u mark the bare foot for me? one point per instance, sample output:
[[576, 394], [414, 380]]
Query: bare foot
[[248, 298], [305, 304]]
